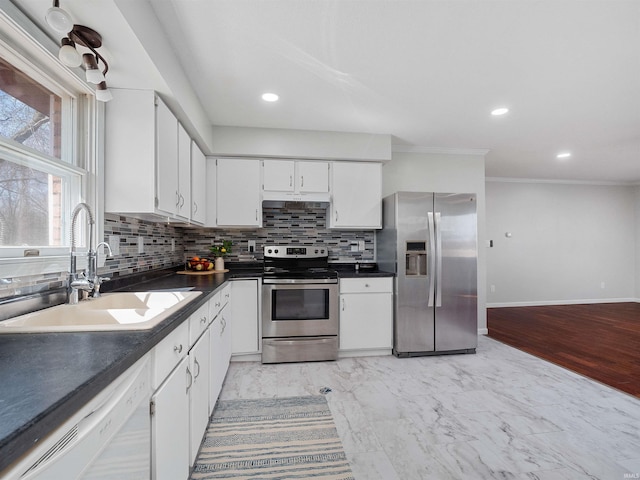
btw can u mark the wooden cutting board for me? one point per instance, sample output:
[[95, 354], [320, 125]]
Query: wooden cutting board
[[201, 272]]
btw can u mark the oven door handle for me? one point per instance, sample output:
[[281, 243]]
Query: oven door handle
[[300, 281], [298, 340]]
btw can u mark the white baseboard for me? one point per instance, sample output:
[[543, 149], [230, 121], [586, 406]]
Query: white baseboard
[[561, 302], [483, 331]]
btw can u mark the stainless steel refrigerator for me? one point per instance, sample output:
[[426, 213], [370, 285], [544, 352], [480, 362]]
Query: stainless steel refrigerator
[[429, 240]]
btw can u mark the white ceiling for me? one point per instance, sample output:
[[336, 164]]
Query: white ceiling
[[427, 72]]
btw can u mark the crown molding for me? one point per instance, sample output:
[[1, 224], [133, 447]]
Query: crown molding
[[559, 181]]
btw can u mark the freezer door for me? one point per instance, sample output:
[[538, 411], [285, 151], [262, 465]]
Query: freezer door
[[456, 279], [414, 320]]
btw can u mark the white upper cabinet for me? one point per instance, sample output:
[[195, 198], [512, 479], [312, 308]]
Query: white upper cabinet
[[147, 158], [183, 206], [356, 195], [278, 175], [238, 202], [198, 185], [295, 180], [167, 160]]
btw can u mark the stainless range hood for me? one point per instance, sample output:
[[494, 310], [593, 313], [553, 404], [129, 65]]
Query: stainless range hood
[[294, 204]]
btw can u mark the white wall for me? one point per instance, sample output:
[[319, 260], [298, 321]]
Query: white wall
[[439, 172], [287, 143], [567, 240], [637, 211]]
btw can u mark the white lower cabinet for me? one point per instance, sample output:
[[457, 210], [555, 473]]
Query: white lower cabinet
[[200, 367], [366, 313], [170, 426], [180, 404], [220, 335], [244, 311]]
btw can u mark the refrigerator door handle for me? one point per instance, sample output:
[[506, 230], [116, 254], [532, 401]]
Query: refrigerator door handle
[[439, 261], [432, 256]]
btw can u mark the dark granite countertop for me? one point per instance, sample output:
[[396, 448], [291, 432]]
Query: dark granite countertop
[[348, 270], [46, 377]]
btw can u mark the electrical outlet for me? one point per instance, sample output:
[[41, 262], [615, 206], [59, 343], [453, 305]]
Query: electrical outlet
[[140, 244], [493, 289], [173, 244], [251, 245], [602, 285], [361, 245]]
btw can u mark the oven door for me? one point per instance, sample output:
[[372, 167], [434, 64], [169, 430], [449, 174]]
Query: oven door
[[299, 309]]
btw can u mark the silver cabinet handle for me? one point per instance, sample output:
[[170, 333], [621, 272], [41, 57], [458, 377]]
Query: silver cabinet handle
[[223, 322], [181, 201], [336, 215], [302, 180], [190, 377], [256, 214], [343, 304], [177, 348], [366, 285], [291, 180], [203, 320], [177, 199], [196, 364], [195, 207]]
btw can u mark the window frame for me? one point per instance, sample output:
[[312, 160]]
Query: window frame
[[29, 49]]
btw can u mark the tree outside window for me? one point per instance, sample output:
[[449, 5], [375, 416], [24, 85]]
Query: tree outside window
[[30, 197]]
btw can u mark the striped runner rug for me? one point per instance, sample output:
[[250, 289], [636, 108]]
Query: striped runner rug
[[276, 438]]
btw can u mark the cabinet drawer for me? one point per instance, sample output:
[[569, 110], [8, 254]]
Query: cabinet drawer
[[198, 323], [169, 352], [366, 285]]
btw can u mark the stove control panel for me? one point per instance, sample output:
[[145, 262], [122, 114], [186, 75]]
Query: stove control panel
[[288, 251]]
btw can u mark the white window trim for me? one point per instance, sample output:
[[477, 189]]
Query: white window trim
[[31, 50]]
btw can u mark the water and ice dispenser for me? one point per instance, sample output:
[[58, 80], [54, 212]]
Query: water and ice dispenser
[[416, 259]]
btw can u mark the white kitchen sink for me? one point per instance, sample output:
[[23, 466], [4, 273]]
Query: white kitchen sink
[[111, 311]]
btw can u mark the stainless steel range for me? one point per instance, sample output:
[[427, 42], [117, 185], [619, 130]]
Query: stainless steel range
[[300, 318]]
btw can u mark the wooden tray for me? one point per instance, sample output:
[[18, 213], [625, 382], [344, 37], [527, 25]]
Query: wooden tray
[[201, 272]]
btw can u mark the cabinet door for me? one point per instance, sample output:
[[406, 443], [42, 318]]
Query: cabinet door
[[215, 372], [199, 394], [198, 185], [244, 315], [183, 171], [356, 195], [238, 193], [278, 175], [312, 177], [366, 321], [167, 159], [170, 426]]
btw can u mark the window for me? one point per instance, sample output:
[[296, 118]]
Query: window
[[47, 151], [31, 195]]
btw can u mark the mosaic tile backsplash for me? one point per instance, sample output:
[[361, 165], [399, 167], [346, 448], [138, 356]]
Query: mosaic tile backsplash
[[299, 226], [168, 245]]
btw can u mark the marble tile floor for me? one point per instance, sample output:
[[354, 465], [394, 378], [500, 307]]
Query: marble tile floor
[[500, 413]]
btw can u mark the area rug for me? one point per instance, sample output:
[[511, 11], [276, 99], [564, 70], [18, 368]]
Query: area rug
[[276, 438]]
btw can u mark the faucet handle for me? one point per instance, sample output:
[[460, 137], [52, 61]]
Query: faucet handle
[[96, 285]]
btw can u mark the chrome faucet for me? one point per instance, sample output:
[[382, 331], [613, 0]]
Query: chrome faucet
[[88, 281]]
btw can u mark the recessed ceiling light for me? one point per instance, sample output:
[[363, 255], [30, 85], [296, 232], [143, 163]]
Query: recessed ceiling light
[[499, 111], [270, 97], [563, 155]]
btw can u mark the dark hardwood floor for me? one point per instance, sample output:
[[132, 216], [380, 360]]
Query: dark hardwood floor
[[600, 341]]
